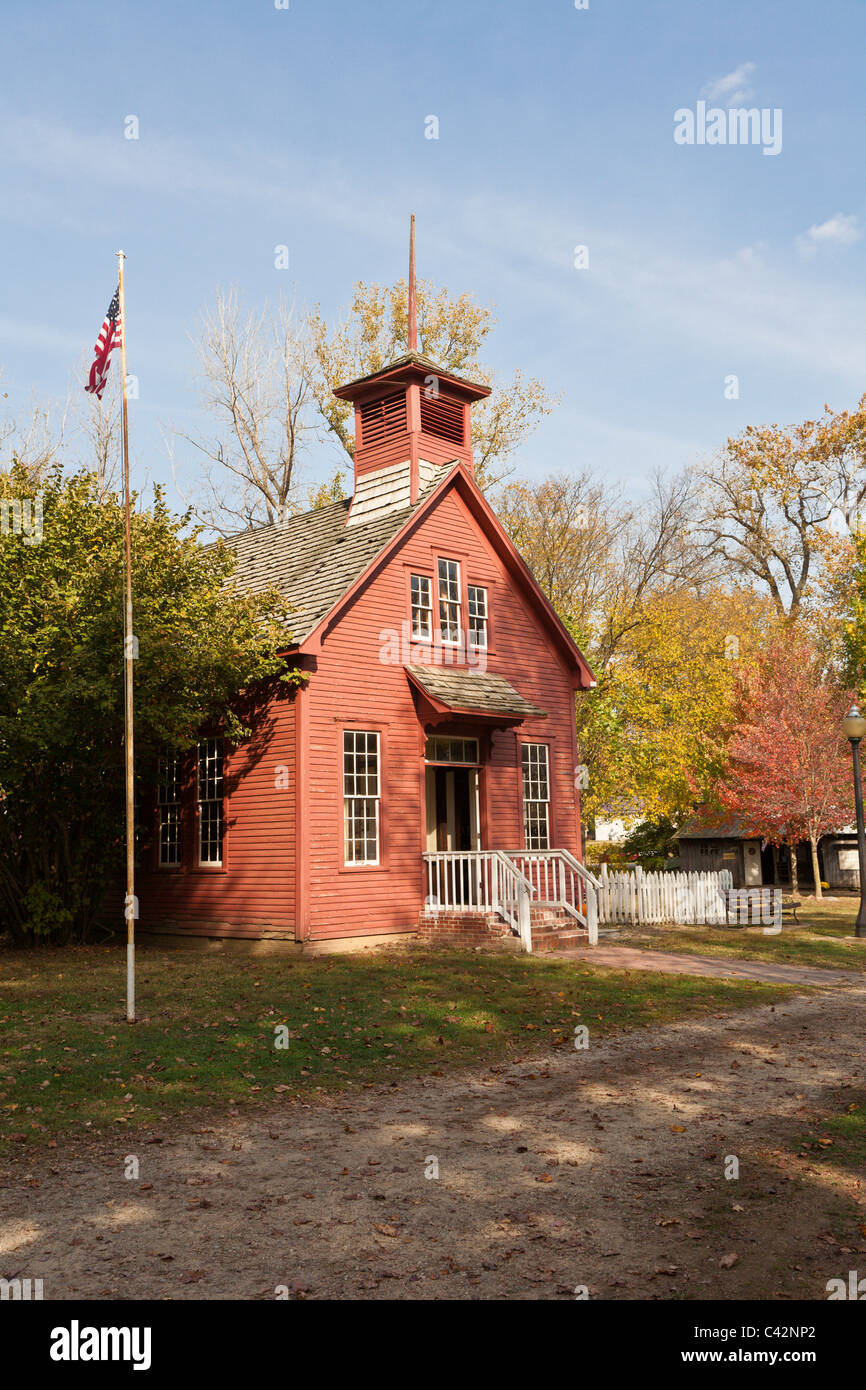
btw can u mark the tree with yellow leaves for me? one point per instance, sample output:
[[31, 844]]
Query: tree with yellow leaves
[[654, 732], [662, 624], [778, 500], [452, 331]]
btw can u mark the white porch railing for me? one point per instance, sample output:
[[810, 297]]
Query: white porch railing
[[560, 880], [511, 883]]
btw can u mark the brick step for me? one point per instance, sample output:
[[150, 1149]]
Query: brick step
[[546, 916], [562, 940]]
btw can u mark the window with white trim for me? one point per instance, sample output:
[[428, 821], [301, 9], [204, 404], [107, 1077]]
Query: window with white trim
[[361, 795], [422, 607], [477, 617], [210, 802], [168, 801], [449, 601], [536, 796]]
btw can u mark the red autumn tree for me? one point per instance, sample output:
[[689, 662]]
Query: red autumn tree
[[789, 774]]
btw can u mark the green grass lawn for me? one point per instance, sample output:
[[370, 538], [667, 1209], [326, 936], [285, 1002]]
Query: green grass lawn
[[840, 1135], [206, 1036], [824, 937]]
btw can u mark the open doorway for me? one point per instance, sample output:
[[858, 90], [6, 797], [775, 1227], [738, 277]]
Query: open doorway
[[453, 827], [453, 809]]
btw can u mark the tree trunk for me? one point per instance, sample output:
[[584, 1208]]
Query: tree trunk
[[795, 883], [816, 872]]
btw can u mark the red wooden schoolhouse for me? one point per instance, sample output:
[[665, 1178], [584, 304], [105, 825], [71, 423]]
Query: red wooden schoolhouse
[[426, 774]]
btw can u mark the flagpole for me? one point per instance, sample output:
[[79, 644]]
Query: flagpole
[[412, 325], [129, 905]]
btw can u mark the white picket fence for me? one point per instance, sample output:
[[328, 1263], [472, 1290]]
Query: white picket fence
[[631, 895]]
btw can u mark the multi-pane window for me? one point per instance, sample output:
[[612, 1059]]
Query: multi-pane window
[[451, 750], [477, 617], [449, 601], [210, 802], [422, 606], [168, 801], [361, 796], [536, 796]]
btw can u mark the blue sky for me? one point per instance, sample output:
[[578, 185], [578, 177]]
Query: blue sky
[[306, 127]]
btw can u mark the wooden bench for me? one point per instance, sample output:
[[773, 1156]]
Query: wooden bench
[[756, 898]]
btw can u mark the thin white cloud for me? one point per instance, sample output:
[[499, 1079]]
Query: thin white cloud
[[752, 303], [733, 88], [841, 230], [164, 164]]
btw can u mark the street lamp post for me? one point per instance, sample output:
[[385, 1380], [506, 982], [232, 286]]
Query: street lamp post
[[854, 726]]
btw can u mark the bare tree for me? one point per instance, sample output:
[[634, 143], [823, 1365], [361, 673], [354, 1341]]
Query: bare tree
[[566, 528], [102, 432], [767, 528], [654, 554], [35, 440], [256, 387], [601, 560], [93, 435]]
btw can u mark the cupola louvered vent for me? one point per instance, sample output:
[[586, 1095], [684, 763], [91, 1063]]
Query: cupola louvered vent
[[383, 419], [443, 417]]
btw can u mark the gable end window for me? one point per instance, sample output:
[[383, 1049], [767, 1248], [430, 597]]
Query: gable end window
[[168, 801], [477, 617], [210, 803], [422, 607], [361, 795], [449, 601], [536, 796]]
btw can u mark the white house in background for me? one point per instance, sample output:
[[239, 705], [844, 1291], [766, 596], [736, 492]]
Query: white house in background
[[615, 829]]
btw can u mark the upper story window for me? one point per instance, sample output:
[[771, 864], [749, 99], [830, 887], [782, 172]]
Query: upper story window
[[361, 795], [168, 801], [422, 607], [536, 796], [210, 802], [449, 601], [477, 617]]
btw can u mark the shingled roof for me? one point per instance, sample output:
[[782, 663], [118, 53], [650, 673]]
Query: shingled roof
[[701, 827], [414, 359], [473, 691], [312, 559]]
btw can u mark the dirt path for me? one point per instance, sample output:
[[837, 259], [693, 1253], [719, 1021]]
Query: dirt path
[[602, 1168], [715, 967]]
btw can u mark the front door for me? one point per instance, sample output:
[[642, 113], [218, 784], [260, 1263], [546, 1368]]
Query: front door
[[453, 824], [452, 808]]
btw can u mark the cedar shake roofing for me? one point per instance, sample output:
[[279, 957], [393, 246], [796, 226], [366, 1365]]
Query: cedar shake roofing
[[699, 828], [413, 359], [312, 559], [472, 691]]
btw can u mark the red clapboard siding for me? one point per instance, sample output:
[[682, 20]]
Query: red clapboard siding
[[255, 891], [352, 687], [283, 860]]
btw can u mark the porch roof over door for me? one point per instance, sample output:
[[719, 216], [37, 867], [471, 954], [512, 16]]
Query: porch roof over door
[[487, 696]]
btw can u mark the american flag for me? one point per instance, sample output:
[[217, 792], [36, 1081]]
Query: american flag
[[108, 340]]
